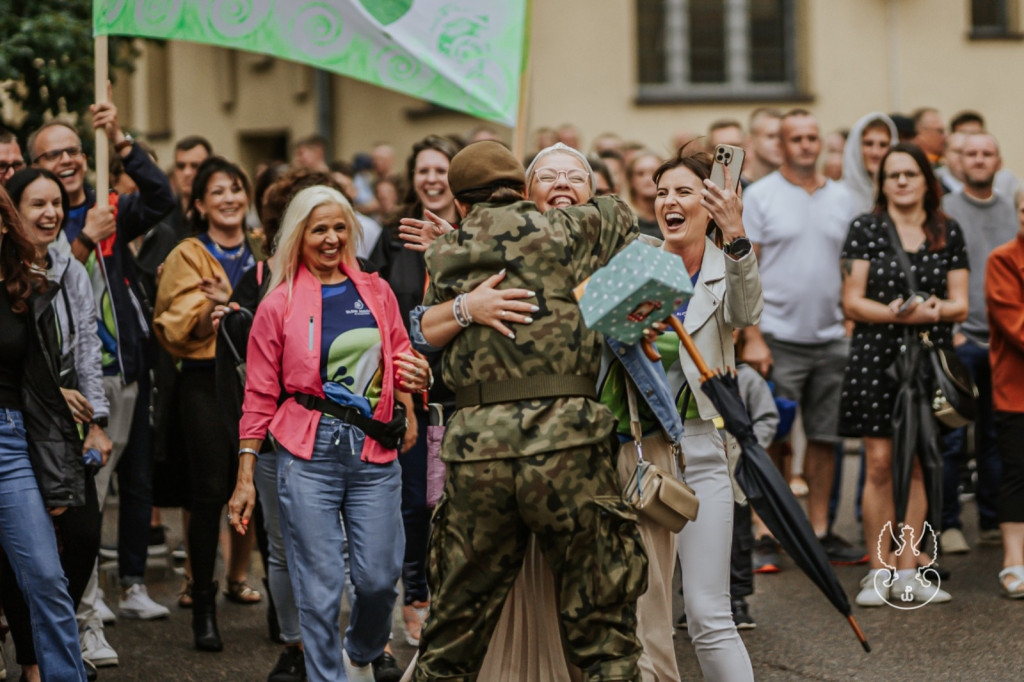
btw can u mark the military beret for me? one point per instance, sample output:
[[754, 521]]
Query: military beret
[[484, 164]]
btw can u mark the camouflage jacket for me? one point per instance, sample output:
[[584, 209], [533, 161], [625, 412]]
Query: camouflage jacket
[[548, 253]]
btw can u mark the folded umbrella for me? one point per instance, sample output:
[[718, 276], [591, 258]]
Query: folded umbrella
[[764, 485]]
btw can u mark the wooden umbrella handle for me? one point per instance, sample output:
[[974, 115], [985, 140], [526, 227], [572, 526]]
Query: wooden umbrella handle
[[691, 348]]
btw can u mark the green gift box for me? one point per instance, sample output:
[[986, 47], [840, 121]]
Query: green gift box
[[640, 285]]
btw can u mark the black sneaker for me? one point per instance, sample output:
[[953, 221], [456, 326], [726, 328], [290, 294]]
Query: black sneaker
[[681, 623], [842, 553], [385, 669], [91, 673], [765, 556], [291, 666], [741, 615]]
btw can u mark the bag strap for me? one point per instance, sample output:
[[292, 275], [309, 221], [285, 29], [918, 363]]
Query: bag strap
[[901, 253], [388, 434], [637, 431]]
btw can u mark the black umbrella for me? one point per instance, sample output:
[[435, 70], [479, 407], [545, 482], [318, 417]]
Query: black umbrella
[[765, 487], [914, 432]]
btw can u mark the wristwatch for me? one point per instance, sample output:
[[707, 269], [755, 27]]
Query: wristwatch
[[737, 248], [100, 422], [128, 141]]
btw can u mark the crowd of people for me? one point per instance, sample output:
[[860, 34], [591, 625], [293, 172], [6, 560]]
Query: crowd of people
[[278, 348]]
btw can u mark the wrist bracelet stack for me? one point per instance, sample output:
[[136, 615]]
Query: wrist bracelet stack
[[86, 242], [460, 311], [248, 451]]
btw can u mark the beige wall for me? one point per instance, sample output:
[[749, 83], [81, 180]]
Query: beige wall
[[856, 55]]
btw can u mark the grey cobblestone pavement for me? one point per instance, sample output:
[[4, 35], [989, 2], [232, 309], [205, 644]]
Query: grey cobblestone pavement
[[799, 636]]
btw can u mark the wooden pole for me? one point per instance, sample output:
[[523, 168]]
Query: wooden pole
[[520, 133], [102, 145]]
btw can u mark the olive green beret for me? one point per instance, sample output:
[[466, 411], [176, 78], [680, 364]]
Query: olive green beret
[[484, 164]]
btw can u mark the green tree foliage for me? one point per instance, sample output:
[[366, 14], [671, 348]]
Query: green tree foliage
[[46, 59]]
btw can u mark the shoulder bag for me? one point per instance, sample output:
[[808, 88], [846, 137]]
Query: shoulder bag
[[656, 493], [954, 401]]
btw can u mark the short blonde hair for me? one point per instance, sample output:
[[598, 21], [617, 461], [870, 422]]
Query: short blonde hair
[[285, 261]]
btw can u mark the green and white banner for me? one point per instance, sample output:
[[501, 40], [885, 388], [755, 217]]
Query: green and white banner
[[462, 54]]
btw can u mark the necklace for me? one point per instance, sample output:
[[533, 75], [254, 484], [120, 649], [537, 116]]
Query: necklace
[[228, 252]]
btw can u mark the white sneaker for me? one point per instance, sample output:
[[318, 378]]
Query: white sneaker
[[919, 588], [360, 674], [952, 541], [135, 603], [96, 648], [102, 610], [869, 595]]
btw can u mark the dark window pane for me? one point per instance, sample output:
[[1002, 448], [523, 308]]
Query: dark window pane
[[650, 23], [707, 41], [768, 41], [989, 14]]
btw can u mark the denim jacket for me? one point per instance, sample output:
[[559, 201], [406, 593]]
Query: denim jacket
[[649, 377]]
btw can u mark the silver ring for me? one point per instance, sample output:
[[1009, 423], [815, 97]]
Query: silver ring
[[502, 314], [229, 518]]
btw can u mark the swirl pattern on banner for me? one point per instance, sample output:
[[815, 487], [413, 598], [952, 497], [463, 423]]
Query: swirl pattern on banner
[[463, 39], [238, 18], [158, 16], [319, 31], [111, 10], [398, 69]]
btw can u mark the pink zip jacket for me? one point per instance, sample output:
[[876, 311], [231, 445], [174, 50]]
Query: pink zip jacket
[[284, 351]]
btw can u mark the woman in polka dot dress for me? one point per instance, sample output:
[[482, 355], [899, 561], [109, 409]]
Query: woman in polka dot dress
[[875, 297]]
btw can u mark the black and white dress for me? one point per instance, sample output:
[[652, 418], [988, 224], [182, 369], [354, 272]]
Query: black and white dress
[[868, 392]]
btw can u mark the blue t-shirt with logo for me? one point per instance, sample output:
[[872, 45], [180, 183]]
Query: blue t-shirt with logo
[[350, 349]]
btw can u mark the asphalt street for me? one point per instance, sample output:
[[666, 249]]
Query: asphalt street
[[799, 635]]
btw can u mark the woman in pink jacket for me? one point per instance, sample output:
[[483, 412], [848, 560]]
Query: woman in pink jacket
[[329, 341]]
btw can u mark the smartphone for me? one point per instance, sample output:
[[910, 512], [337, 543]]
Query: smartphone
[[727, 155]]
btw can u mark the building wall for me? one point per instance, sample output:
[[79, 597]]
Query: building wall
[[856, 56]]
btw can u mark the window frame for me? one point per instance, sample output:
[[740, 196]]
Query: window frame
[[737, 87], [1008, 30]]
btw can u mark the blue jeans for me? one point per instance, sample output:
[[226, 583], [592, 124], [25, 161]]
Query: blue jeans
[[975, 358], [312, 494], [265, 479], [26, 535]]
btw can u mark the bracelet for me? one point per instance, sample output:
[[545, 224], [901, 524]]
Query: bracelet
[[86, 242], [457, 312], [465, 309], [248, 451]]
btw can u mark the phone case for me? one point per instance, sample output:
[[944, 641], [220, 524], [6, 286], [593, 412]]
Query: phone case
[[727, 155]]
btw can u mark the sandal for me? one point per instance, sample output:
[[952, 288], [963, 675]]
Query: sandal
[[185, 596], [240, 592], [1011, 582]]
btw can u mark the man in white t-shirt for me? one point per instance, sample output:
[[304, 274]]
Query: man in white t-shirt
[[797, 220]]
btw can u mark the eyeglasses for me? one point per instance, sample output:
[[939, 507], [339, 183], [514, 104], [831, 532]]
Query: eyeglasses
[[909, 175], [574, 177], [56, 154], [13, 166]]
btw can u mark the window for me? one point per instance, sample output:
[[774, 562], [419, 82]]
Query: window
[[716, 49], [993, 19]]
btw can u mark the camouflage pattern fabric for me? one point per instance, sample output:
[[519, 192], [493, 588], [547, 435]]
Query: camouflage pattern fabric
[[588, 535], [548, 253]]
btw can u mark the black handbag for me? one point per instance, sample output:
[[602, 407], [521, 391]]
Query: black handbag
[[954, 401]]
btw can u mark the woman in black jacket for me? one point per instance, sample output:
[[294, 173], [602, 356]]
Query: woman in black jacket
[[41, 468]]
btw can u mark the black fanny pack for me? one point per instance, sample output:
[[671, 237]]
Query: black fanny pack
[[389, 434]]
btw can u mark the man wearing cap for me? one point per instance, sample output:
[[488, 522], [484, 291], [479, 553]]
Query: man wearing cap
[[529, 448]]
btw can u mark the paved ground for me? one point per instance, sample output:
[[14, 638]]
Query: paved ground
[[799, 635]]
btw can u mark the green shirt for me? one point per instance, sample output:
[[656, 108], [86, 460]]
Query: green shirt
[[550, 254]]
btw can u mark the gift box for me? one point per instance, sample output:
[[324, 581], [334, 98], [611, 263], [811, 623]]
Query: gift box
[[639, 286]]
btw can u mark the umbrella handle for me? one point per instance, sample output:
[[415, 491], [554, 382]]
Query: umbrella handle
[[691, 348], [649, 350]]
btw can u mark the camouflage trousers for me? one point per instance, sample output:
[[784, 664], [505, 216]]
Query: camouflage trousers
[[571, 500]]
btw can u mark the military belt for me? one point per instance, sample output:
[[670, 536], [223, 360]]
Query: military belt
[[530, 388]]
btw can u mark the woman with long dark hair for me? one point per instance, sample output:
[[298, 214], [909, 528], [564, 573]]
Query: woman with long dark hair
[[200, 273], [876, 296], [41, 468]]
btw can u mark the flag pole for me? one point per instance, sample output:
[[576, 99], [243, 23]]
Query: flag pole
[[102, 146], [520, 133]]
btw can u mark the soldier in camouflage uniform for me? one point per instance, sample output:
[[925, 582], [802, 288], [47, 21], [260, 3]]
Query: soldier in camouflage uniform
[[544, 466]]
